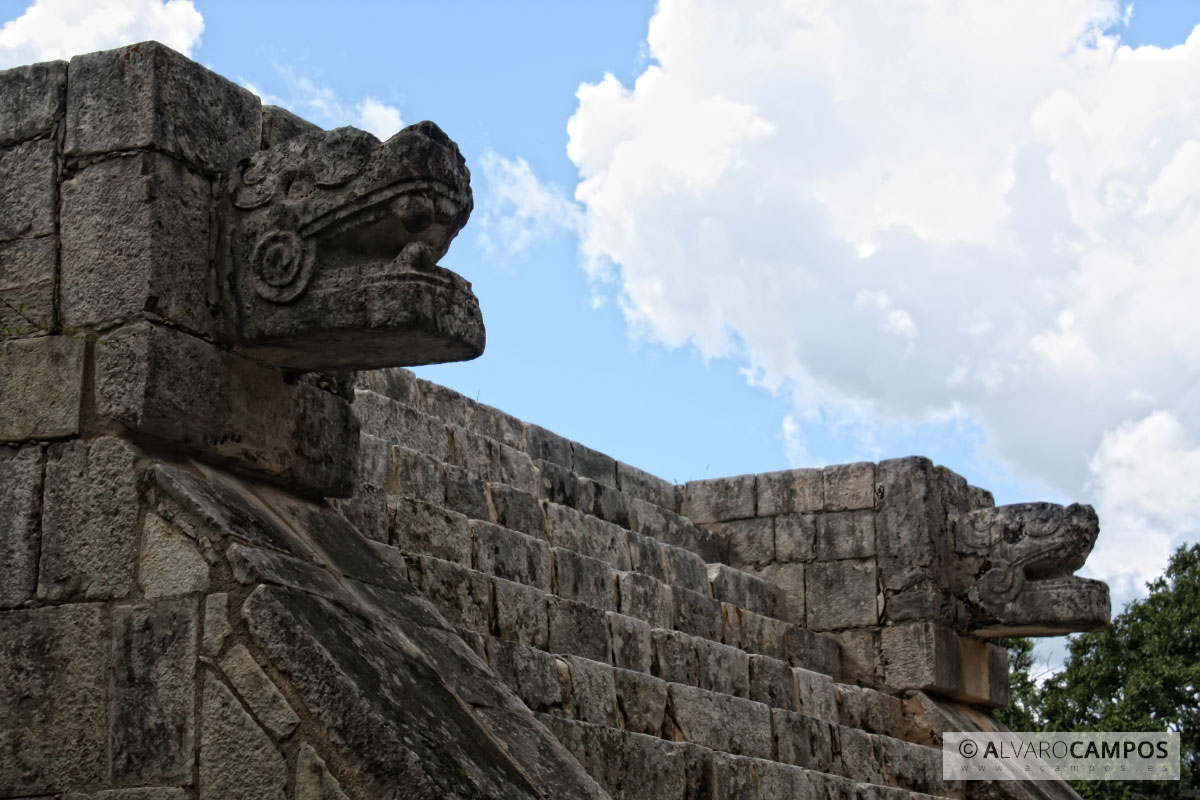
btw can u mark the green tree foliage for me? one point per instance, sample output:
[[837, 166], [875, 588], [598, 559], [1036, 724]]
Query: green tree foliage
[[1140, 674]]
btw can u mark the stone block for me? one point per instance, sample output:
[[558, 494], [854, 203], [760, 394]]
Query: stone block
[[603, 502], [147, 793], [33, 99], [841, 594], [642, 701], [980, 498], [772, 682], [589, 693], [416, 475], [89, 521], [754, 633], [147, 96], [805, 741], [517, 510], [573, 530], [686, 570], [921, 601], [921, 655], [720, 722], [745, 590], [814, 651], [445, 404], [426, 529], [520, 613], [135, 243], [984, 672], [152, 692], [495, 424], [786, 782], [27, 268], [531, 673], [789, 578], [593, 464], [815, 695], [171, 563], [28, 190], [868, 710], [557, 484], [400, 424], [181, 389], [20, 523], [719, 499], [795, 537], [861, 656], [313, 779], [237, 759], [675, 658], [696, 614], [462, 595], [508, 554], [216, 624], [395, 383], [845, 534], [751, 541], [723, 668], [916, 768], [645, 598], [631, 765], [861, 755], [792, 491], [279, 125], [912, 540], [259, 692], [52, 699], [466, 493], [644, 486], [646, 556], [578, 629], [734, 778], [849, 487], [542, 444], [631, 648], [584, 580], [41, 380]]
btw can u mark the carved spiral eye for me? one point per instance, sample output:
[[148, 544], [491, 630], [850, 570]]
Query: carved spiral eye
[[282, 266]]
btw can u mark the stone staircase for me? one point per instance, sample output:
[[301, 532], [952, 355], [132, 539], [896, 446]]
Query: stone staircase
[[667, 672]]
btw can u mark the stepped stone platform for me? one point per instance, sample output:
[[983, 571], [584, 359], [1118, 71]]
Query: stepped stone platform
[[247, 554]]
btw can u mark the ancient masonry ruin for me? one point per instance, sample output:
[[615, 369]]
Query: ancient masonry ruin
[[232, 567]]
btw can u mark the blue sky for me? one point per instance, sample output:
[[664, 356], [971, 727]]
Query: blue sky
[[777, 238]]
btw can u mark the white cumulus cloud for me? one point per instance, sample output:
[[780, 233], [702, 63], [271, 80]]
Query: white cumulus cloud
[[904, 211], [308, 97], [54, 29], [519, 209]]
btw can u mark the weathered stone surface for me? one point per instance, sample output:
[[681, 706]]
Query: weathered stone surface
[[149, 96], [795, 537], [646, 556], [396, 383], [135, 243], [627, 765], [784, 781], [557, 484], [805, 741], [395, 422], [815, 695], [152, 793], [27, 268], [810, 650], [631, 648], [542, 444], [462, 595], [723, 668], [861, 755], [313, 780], [589, 692], [251, 565], [259, 692], [531, 673], [861, 656], [719, 499], [845, 534], [237, 760], [789, 578], [585, 580], [216, 624], [745, 590], [366, 507], [423, 528], [520, 613], [793, 491], [152, 692], [589, 463], [751, 541], [642, 700], [686, 570], [772, 682], [1012, 571], [578, 629], [171, 563], [466, 494], [52, 710], [868, 710], [720, 722], [41, 380], [89, 521], [279, 125], [20, 523], [517, 510], [445, 404], [508, 554], [28, 190], [849, 487], [642, 485], [32, 100], [417, 476], [841, 594], [921, 655], [675, 658], [910, 529], [754, 633], [734, 778], [696, 614], [595, 538], [644, 597]]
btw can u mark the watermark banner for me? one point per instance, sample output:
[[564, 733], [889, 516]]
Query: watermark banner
[[1048, 756]]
